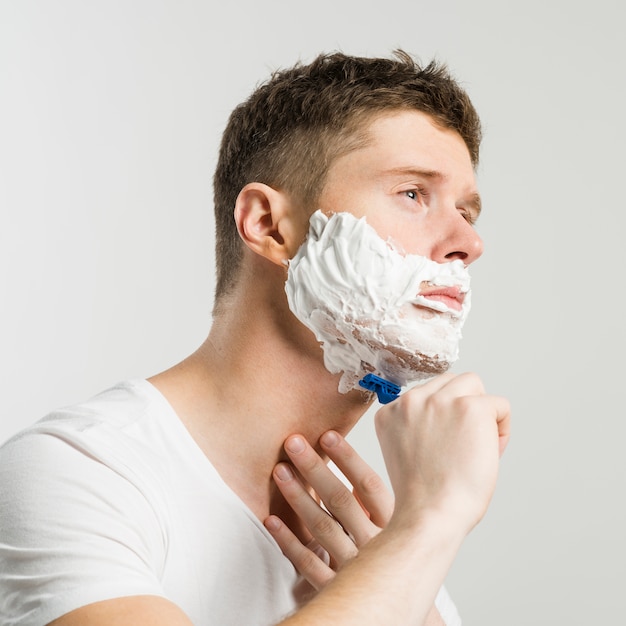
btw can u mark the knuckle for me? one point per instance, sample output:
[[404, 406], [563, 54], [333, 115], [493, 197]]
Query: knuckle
[[324, 526], [437, 404], [371, 484], [464, 404], [340, 499], [306, 562], [405, 407]]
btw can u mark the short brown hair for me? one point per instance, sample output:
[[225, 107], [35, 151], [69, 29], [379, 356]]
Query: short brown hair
[[289, 131]]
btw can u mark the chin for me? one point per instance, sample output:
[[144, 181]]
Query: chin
[[397, 365], [401, 359]]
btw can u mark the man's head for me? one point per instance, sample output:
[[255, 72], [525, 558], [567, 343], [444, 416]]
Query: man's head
[[381, 279], [294, 127]]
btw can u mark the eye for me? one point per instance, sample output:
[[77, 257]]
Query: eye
[[415, 193], [468, 216]]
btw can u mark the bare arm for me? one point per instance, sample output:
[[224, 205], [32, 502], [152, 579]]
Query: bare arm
[[132, 610], [393, 580], [358, 515], [441, 444]]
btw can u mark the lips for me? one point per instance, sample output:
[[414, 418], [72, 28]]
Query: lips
[[451, 297]]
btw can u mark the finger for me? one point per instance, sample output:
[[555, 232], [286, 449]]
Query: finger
[[465, 384], [498, 408], [328, 532], [440, 389], [335, 495], [503, 417], [307, 562], [434, 384], [369, 487]]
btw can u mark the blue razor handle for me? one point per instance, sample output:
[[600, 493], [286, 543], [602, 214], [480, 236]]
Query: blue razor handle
[[384, 389]]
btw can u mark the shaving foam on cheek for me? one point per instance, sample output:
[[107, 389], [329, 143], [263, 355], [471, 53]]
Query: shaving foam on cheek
[[360, 297]]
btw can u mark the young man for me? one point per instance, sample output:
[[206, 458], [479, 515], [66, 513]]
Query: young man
[[345, 200]]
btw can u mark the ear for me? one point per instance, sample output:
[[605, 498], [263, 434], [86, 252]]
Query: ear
[[267, 222]]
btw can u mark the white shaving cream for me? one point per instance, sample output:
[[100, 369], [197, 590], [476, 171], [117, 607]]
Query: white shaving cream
[[360, 296]]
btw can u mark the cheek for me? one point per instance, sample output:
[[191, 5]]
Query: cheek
[[408, 232]]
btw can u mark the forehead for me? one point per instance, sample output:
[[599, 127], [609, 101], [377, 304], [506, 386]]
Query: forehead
[[402, 145], [414, 135]]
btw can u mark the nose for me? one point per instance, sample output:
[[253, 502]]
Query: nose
[[458, 240]]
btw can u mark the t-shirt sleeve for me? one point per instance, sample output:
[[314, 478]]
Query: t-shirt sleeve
[[447, 608], [73, 531]]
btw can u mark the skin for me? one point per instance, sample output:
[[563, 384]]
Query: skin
[[414, 182]]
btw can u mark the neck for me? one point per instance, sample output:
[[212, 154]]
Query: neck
[[255, 380]]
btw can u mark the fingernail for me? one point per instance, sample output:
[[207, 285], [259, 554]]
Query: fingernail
[[283, 472], [272, 523], [329, 439], [295, 445]]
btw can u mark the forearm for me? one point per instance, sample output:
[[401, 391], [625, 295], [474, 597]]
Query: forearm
[[394, 579], [441, 445]]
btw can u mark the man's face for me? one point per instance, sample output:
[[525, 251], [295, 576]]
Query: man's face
[[414, 182], [381, 279]]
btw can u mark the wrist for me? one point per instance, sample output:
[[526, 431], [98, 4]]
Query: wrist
[[437, 529]]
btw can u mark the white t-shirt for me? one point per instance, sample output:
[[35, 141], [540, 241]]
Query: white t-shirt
[[113, 498]]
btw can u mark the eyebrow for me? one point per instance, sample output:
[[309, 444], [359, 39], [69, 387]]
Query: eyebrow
[[474, 203], [415, 171]]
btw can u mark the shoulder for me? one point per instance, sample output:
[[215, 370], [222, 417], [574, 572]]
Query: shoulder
[[83, 512], [123, 421], [103, 456]]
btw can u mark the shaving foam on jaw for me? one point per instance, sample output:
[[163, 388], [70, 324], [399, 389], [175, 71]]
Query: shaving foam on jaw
[[360, 297]]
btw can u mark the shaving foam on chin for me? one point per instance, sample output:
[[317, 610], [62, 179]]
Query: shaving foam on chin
[[360, 297]]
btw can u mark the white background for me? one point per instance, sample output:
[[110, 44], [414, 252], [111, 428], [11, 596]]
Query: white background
[[110, 118]]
